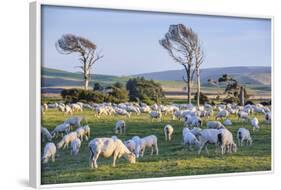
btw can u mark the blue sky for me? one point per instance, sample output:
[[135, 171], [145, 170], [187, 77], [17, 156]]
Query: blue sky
[[129, 40]]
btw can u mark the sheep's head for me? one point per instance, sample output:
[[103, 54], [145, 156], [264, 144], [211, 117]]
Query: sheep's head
[[132, 158]]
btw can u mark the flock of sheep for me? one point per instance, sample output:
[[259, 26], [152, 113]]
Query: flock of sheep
[[194, 135]]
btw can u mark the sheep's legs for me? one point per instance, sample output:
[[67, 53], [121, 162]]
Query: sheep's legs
[[114, 159], [53, 158], [151, 150]]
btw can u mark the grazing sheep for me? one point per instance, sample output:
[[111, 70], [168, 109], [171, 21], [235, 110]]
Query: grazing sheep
[[131, 145], [74, 121], [62, 129], [68, 110], [75, 146], [66, 140], [227, 122], [222, 114], [208, 136], [267, 117], [255, 124], [215, 125], [49, 152], [196, 131], [185, 130], [155, 115], [168, 131], [76, 107], [225, 141], [46, 134], [190, 120], [120, 127], [107, 147], [122, 112], [83, 132], [243, 115], [101, 111], [149, 142], [190, 139], [244, 135]]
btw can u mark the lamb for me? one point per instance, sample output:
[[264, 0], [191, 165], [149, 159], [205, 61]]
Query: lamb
[[227, 122], [225, 141], [149, 142], [49, 152], [155, 115], [168, 131], [83, 132], [120, 127], [244, 135], [46, 134], [215, 125], [255, 124], [208, 136], [107, 147], [222, 114], [190, 139], [62, 129], [74, 121], [66, 140], [75, 146]]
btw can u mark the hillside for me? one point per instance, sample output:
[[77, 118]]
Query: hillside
[[245, 75]]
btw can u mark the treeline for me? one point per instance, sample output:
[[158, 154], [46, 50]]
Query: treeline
[[136, 90]]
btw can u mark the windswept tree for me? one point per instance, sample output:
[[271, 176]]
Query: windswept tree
[[86, 51], [183, 46]]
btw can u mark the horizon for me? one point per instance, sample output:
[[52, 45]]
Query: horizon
[[237, 41]]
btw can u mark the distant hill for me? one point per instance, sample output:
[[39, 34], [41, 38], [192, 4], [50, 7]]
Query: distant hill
[[245, 75]]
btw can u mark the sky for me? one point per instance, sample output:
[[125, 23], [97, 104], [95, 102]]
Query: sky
[[129, 40]]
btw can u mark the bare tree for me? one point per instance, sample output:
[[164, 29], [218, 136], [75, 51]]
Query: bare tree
[[199, 55], [86, 49], [181, 42]]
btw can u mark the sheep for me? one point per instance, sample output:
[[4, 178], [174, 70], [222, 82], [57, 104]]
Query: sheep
[[190, 139], [75, 146], [145, 109], [244, 135], [76, 107], [227, 122], [185, 130], [208, 136], [61, 108], [243, 115], [107, 147], [74, 121], [46, 134], [120, 127], [66, 140], [267, 117], [62, 129], [255, 124], [190, 120], [49, 152], [215, 125], [225, 141], [149, 142], [196, 131], [131, 145], [101, 111], [222, 114], [155, 115], [83, 132], [122, 112], [168, 131], [68, 110]]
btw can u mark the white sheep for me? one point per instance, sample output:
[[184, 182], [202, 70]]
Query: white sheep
[[46, 134], [255, 124], [149, 142], [208, 136], [222, 114], [196, 131], [68, 110], [49, 152], [120, 127], [76, 107], [66, 140], [244, 135], [227, 122], [131, 145], [155, 115], [75, 146], [215, 125], [107, 147], [83, 132], [124, 112], [267, 117], [62, 129], [74, 121], [168, 131], [243, 115], [225, 141], [190, 139]]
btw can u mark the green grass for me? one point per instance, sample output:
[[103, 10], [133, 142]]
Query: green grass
[[172, 160]]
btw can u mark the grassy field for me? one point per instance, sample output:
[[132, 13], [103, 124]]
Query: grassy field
[[172, 160]]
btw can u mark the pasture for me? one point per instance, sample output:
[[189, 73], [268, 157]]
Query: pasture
[[173, 159]]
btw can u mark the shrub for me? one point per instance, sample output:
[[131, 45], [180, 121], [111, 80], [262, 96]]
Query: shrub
[[202, 99]]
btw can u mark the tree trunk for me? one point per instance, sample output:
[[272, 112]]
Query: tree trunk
[[242, 95], [189, 84], [198, 86]]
